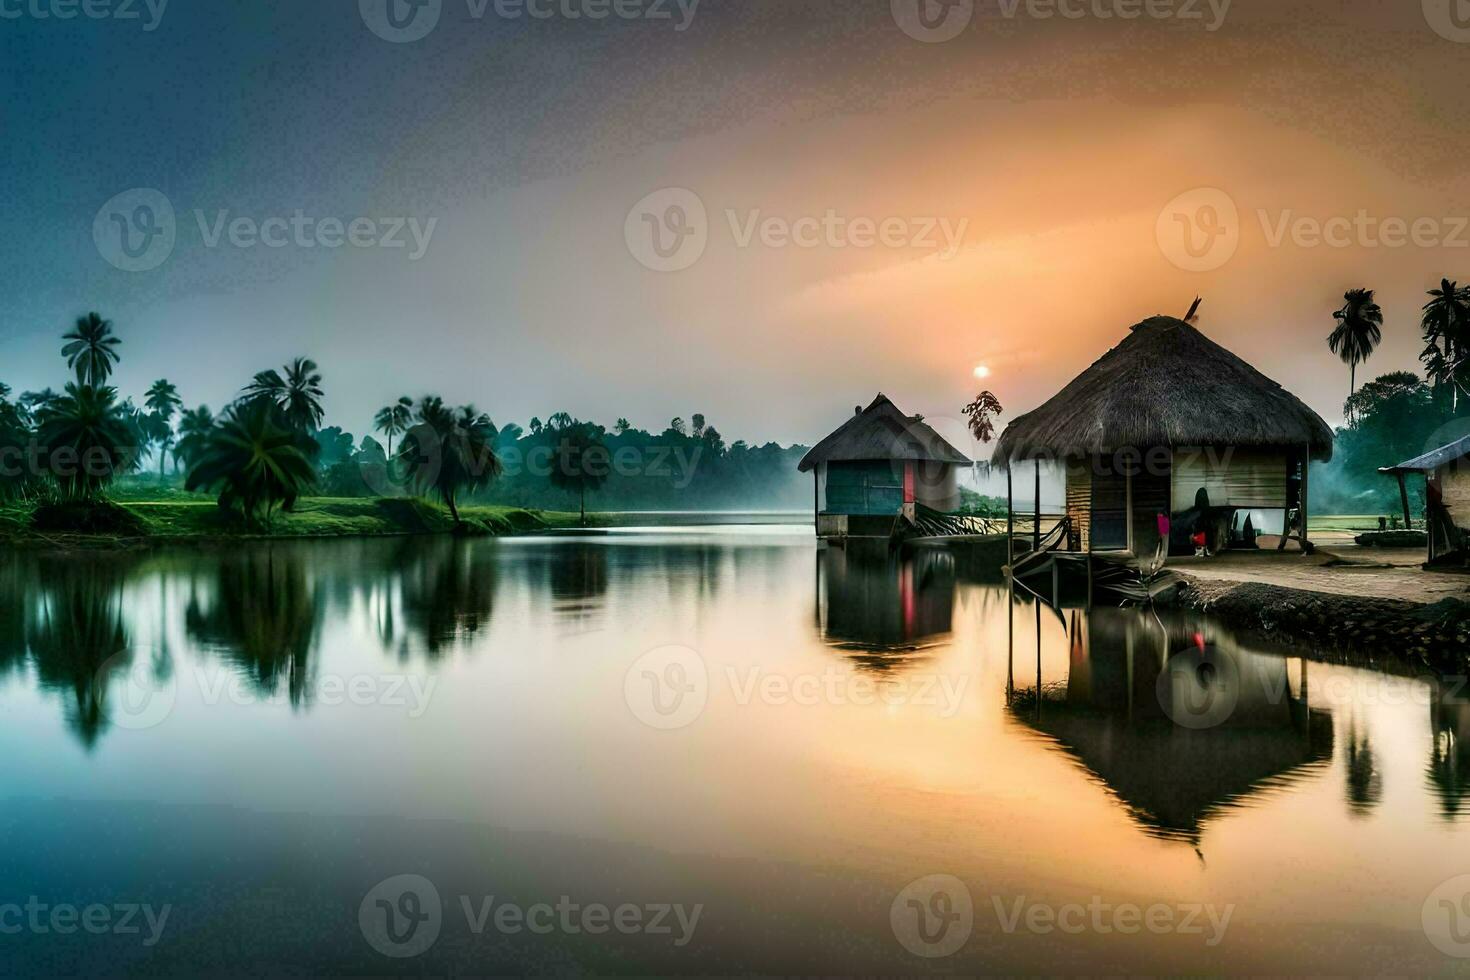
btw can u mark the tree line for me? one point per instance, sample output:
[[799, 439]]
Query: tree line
[[1401, 414], [267, 448]]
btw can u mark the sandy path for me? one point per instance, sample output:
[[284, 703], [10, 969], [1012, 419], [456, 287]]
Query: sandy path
[[1340, 568]]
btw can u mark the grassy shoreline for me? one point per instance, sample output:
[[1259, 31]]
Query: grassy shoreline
[[188, 520]]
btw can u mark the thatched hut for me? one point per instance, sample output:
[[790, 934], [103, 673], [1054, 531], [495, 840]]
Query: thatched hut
[[1446, 473], [879, 464], [1170, 423]]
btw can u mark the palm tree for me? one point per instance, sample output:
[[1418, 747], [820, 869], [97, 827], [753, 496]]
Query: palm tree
[[1446, 326], [88, 424], [394, 420], [255, 459], [582, 463], [91, 349], [163, 400], [195, 426], [298, 394], [1359, 331], [449, 452], [33, 403]]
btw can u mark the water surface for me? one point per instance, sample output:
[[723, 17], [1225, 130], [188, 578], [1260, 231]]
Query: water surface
[[785, 736]]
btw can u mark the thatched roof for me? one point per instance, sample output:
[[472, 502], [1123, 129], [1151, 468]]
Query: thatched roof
[[881, 431], [1433, 460], [1166, 384]]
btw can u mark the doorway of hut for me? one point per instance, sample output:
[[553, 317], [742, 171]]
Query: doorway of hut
[[1109, 510]]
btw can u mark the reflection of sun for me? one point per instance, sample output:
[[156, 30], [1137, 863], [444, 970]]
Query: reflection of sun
[[981, 371]]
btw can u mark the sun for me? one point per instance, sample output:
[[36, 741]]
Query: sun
[[982, 372]]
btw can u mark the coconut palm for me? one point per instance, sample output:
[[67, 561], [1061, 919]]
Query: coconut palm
[[255, 459], [1359, 331], [1446, 327], [162, 399], [195, 426], [582, 462], [87, 440], [449, 452], [394, 420], [91, 349], [297, 393]]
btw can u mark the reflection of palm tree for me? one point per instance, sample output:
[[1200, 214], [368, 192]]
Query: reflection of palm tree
[[264, 619], [448, 590], [16, 576], [1364, 782], [78, 639]]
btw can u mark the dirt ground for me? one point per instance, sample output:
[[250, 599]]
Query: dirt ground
[[1338, 567]]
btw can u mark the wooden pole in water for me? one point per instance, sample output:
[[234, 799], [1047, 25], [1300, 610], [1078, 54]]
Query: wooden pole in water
[[1306, 466], [1010, 518], [1036, 531]]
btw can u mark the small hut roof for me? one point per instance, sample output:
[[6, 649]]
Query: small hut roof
[[881, 431], [1166, 384], [1432, 461]]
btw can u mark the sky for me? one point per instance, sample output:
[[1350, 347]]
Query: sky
[[762, 211]]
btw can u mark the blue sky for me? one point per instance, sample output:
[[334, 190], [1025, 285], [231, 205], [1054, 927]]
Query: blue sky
[[524, 142]]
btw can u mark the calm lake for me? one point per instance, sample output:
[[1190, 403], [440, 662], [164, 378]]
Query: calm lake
[[694, 749]]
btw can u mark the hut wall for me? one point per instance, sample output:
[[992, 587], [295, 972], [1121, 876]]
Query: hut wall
[[936, 485], [864, 487], [1079, 504], [1231, 475], [1454, 485]]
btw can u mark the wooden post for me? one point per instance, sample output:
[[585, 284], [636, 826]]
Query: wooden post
[[816, 497], [1286, 514], [1036, 531], [1010, 518], [1404, 499], [1306, 466]]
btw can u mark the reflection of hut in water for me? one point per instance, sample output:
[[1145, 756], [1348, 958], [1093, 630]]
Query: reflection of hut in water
[[1178, 728], [871, 599], [1448, 771]]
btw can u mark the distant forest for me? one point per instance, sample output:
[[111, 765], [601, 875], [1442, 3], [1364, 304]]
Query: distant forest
[[687, 466]]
